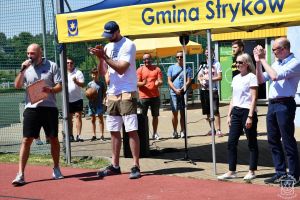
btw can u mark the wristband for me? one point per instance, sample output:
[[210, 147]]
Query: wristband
[[250, 117]]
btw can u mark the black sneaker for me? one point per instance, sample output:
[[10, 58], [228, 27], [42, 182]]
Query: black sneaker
[[109, 171], [135, 173], [102, 138], [93, 138], [72, 138], [276, 179], [289, 181], [78, 139]]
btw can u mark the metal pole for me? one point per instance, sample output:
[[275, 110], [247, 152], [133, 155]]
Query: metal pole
[[43, 27], [68, 5], [198, 65], [65, 94], [212, 118], [185, 97], [53, 32]]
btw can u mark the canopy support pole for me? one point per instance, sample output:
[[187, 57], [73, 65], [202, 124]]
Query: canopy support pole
[[65, 93], [212, 117]]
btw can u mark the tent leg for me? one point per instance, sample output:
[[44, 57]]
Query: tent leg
[[212, 119]]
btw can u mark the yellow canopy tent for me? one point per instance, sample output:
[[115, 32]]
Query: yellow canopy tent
[[162, 18], [164, 47], [167, 18]]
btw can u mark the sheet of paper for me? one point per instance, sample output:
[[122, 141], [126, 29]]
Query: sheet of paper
[[35, 91]]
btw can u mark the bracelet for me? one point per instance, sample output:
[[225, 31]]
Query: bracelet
[[250, 117]]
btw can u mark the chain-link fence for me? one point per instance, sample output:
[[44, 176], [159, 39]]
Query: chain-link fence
[[32, 21]]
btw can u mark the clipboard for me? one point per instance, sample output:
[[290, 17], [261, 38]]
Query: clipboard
[[35, 91]]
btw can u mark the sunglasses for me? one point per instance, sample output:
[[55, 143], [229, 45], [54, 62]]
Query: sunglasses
[[239, 62], [69, 62], [277, 49], [179, 56], [147, 59]]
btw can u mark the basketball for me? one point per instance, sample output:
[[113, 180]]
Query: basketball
[[91, 93]]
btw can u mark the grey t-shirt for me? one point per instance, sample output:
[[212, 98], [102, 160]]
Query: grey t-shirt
[[47, 71]]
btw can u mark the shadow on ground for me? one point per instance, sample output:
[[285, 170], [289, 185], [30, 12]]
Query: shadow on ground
[[203, 153]]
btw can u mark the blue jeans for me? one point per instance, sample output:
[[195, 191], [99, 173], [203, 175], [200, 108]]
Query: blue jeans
[[280, 125], [177, 103], [238, 121]]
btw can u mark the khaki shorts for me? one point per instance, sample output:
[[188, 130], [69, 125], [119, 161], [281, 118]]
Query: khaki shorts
[[122, 104]]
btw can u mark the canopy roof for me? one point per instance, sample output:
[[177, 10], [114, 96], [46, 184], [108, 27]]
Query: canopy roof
[[177, 17], [164, 47], [106, 4]]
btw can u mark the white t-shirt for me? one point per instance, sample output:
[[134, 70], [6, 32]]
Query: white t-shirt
[[124, 50], [241, 96], [216, 68], [75, 92]]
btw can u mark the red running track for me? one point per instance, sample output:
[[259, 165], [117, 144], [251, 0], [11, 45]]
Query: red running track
[[83, 184]]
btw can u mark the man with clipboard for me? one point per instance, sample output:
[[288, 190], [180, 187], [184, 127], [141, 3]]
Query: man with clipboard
[[42, 80]]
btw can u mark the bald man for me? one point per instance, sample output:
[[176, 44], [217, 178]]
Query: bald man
[[284, 76], [39, 114]]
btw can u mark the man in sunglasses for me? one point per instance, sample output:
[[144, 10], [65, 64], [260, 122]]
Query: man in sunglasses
[[284, 76], [149, 78], [176, 83], [75, 83]]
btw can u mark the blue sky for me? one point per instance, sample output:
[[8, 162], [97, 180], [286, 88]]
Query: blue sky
[[25, 15]]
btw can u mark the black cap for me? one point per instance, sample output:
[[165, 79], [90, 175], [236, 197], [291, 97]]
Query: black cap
[[109, 29]]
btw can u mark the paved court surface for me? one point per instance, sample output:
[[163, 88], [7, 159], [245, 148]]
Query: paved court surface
[[164, 173], [83, 184]]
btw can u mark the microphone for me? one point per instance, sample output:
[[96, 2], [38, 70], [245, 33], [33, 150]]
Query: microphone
[[24, 66]]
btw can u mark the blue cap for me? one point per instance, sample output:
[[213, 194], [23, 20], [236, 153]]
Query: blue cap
[[109, 29]]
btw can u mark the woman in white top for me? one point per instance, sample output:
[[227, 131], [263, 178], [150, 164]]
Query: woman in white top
[[242, 116]]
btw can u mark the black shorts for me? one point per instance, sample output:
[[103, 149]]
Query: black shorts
[[76, 106], [153, 103], [204, 97], [35, 118]]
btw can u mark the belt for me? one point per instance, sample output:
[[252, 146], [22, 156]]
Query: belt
[[239, 108], [122, 96], [281, 100]]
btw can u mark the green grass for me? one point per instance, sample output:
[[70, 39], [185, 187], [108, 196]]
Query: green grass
[[46, 160]]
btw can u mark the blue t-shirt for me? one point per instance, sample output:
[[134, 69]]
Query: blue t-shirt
[[173, 70], [99, 86]]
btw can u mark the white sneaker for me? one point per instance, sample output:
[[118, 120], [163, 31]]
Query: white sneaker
[[249, 176], [228, 176], [219, 133], [182, 135], [57, 173], [19, 180], [38, 142], [155, 136]]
